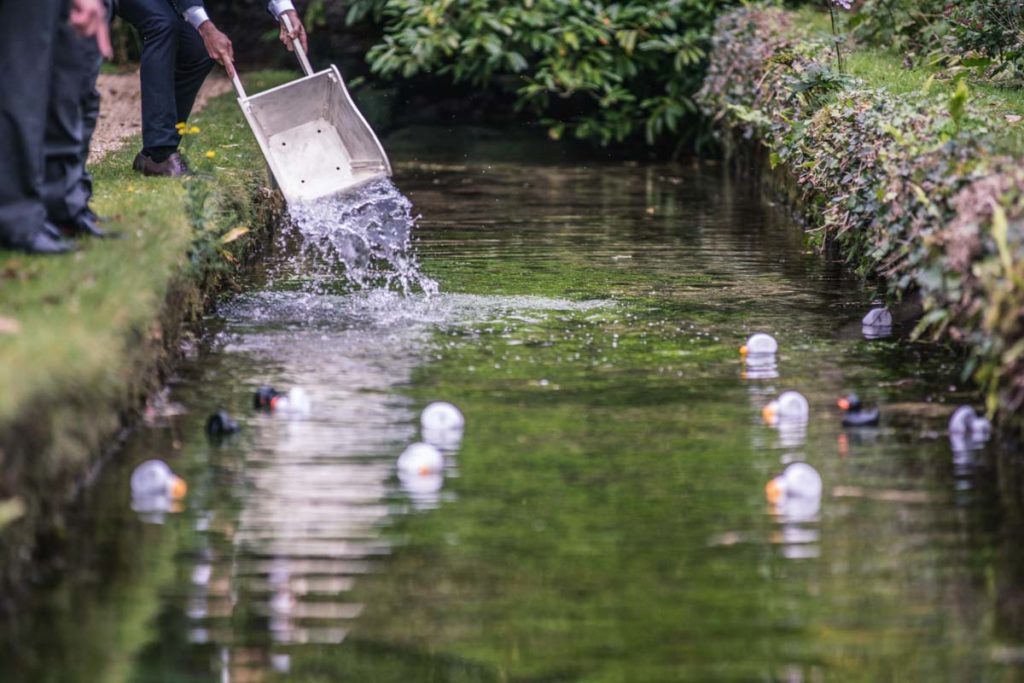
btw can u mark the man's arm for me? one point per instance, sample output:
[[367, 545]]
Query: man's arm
[[281, 8], [218, 45], [89, 18]]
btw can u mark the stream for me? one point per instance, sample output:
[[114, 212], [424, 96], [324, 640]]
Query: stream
[[604, 516]]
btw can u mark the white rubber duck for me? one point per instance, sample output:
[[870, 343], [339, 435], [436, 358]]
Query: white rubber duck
[[156, 491], [295, 403], [798, 482], [155, 479], [420, 459], [790, 407], [876, 324], [877, 317], [442, 424], [759, 344], [968, 425]]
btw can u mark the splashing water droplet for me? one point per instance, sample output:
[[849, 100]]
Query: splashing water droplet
[[369, 231]]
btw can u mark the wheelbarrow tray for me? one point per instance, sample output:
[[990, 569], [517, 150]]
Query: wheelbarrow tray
[[315, 140]]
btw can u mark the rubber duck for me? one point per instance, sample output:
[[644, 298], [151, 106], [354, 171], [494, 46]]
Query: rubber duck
[[790, 406], [295, 402], [759, 344], [264, 397], [856, 414], [220, 424], [964, 422], [154, 479], [442, 424], [420, 459], [876, 324], [799, 481]]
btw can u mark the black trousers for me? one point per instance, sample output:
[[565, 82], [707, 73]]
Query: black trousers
[[71, 120], [174, 66], [28, 32]]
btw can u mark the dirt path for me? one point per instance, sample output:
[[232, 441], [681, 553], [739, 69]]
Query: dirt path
[[121, 111]]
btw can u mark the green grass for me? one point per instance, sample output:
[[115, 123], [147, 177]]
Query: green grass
[[80, 330], [884, 68]]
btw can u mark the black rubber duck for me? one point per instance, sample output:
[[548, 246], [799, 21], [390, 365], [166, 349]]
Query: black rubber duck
[[221, 424], [264, 397], [856, 414]]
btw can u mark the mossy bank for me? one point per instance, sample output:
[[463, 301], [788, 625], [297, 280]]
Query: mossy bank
[[911, 188], [85, 338]]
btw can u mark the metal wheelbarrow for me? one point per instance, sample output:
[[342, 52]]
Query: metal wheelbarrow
[[316, 142]]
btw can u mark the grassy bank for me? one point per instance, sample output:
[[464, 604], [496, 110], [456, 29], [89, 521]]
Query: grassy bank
[[888, 69], [910, 184], [84, 338]]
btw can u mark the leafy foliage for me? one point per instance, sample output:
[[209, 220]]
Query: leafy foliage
[[992, 28], [907, 187], [904, 25], [602, 71]]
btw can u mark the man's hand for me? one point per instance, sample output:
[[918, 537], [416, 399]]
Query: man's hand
[[89, 18], [218, 46], [298, 31]]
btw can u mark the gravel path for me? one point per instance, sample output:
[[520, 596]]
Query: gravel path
[[121, 113]]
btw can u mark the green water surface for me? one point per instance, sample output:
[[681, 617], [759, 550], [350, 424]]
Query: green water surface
[[604, 517]]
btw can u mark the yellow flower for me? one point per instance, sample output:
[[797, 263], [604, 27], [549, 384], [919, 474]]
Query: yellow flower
[[210, 154], [194, 130], [179, 125]]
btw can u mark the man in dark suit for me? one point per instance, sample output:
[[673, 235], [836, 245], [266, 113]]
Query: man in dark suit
[[30, 55], [71, 121], [178, 52]]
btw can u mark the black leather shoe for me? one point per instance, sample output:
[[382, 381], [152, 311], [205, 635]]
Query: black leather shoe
[[173, 166], [96, 219], [86, 226], [44, 243]]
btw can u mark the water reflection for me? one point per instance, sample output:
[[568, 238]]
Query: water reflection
[[606, 518]]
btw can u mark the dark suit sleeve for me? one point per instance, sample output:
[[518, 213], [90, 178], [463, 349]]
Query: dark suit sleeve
[[183, 5]]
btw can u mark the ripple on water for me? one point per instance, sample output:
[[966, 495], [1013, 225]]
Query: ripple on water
[[378, 309]]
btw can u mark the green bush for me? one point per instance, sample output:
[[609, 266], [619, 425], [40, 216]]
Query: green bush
[[992, 28], [600, 71], [907, 187], [906, 25]]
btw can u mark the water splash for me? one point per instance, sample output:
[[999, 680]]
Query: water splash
[[369, 232]]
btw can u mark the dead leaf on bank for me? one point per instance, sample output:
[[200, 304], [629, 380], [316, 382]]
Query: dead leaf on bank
[[9, 325], [11, 510], [233, 234], [15, 269], [1014, 118]]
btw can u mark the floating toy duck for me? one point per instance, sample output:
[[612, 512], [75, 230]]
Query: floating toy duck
[[789, 407], [420, 459], [965, 423], [799, 481], [295, 402], [154, 479], [156, 490], [856, 414], [220, 424], [876, 324], [759, 344], [759, 357], [442, 424]]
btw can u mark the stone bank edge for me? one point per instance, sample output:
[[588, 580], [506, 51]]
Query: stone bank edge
[[906, 188]]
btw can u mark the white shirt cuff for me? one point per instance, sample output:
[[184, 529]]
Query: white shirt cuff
[[278, 7], [196, 16]]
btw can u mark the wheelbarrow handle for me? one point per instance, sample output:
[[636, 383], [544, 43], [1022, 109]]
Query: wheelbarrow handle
[[238, 86], [297, 44]]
